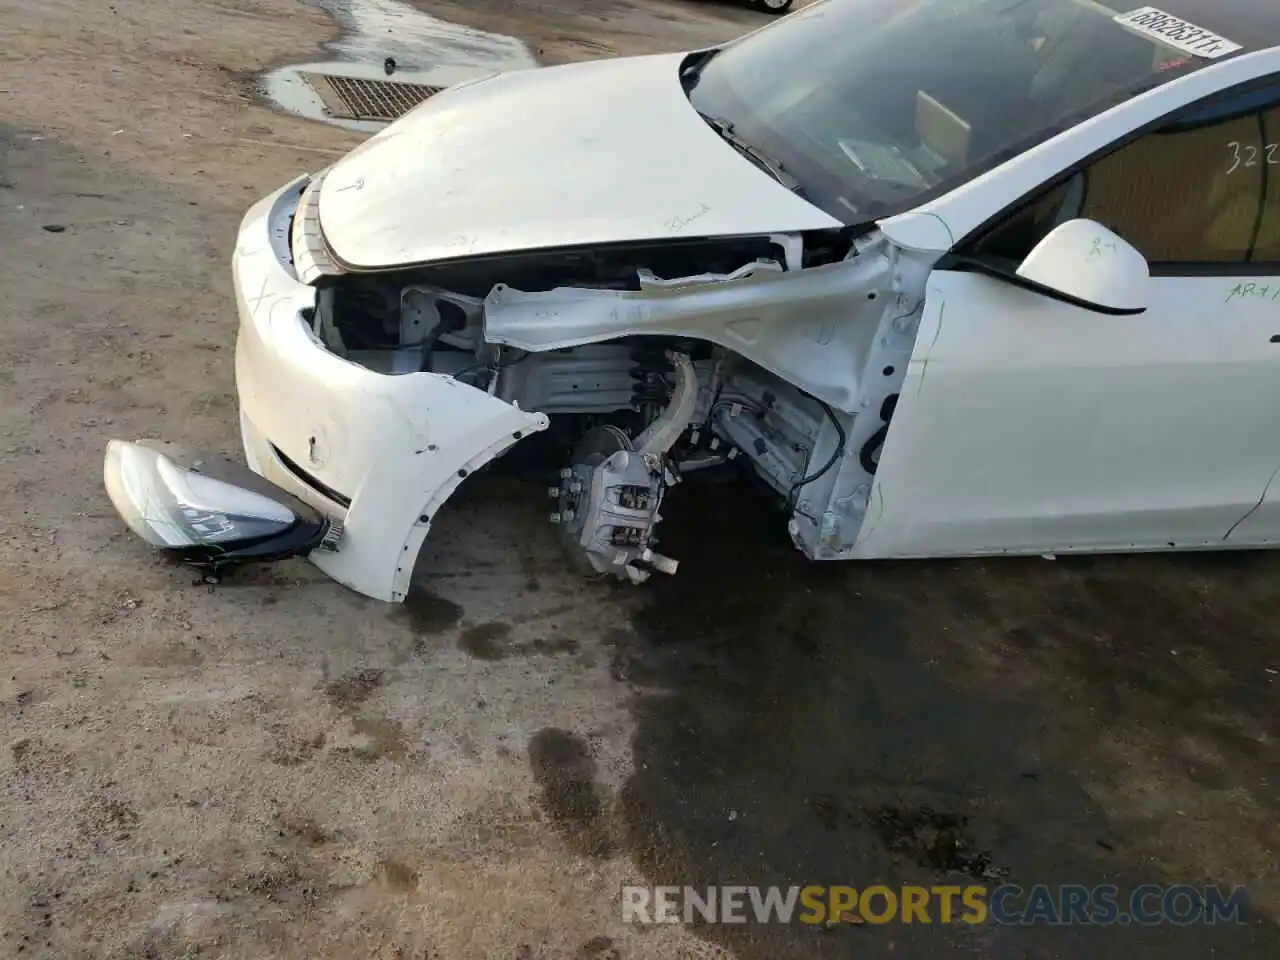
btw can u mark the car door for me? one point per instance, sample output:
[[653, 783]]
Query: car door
[[1030, 424], [1262, 523]]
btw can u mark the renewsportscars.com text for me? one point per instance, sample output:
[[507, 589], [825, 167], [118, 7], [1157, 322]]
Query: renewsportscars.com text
[[1065, 904]]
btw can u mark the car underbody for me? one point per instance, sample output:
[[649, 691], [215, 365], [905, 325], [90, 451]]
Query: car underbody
[[650, 360]]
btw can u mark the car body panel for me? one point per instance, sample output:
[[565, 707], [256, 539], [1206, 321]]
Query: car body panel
[[602, 152], [1030, 425], [1027, 425], [1261, 525], [380, 453]]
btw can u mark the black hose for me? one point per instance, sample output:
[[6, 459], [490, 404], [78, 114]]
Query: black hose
[[876, 440], [835, 458], [432, 338], [494, 366]]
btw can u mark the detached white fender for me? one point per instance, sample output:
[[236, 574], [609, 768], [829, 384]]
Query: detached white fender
[[380, 453]]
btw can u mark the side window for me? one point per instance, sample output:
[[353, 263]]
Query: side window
[[1267, 248], [1203, 190]]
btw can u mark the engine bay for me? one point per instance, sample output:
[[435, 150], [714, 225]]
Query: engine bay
[[760, 356]]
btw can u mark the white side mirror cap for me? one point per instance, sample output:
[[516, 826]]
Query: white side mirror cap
[[1087, 263]]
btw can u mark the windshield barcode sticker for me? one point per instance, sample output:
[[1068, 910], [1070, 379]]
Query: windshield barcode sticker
[[1177, 33]]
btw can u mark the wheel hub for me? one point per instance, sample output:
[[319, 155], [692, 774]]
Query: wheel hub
[[607, 506]]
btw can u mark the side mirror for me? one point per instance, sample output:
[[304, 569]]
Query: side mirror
[[1084, 263]]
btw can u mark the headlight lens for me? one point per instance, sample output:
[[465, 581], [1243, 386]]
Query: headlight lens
[[172, 507]]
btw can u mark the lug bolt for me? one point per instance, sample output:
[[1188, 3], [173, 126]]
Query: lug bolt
[[555, 518]]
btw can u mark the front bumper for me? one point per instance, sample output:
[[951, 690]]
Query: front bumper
[[380, 453]]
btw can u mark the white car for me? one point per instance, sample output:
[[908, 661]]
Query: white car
[[953, 277]]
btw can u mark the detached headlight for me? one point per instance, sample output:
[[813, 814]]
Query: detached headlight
[[209, 510]]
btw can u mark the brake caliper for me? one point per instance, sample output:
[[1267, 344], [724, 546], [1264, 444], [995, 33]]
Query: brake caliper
[[607, 505]]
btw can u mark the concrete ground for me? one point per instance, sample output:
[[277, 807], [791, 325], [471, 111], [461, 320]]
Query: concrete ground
[[278, 768]]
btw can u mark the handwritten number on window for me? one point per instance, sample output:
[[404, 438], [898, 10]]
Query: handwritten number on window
[[1246, 155]]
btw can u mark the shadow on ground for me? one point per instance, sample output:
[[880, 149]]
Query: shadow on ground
[[1016, 722]]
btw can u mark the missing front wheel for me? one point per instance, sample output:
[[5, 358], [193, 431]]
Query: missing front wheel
[[607, 506]]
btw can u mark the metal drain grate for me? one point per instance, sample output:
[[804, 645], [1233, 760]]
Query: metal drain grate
[[356, 99]]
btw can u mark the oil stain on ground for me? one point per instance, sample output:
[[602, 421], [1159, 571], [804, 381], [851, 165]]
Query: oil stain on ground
[[576, 804], [392, 875], [789, 732], [304, 827], [380, 737], [598, 948], [486, 641], [428, 614], [351, 690], [376, 736], [492, 641], [937, 841]]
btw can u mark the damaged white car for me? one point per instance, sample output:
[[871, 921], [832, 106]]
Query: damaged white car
[[953, 277]]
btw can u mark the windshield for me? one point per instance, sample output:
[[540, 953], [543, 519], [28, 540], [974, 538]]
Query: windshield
[[874, 106]]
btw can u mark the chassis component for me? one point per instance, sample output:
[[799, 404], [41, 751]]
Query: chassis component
[[608, 498], [607, 506]]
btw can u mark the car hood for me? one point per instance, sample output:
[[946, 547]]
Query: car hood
[[591, 153]]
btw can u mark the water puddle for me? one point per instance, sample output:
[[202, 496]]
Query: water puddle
[[426, 50]]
